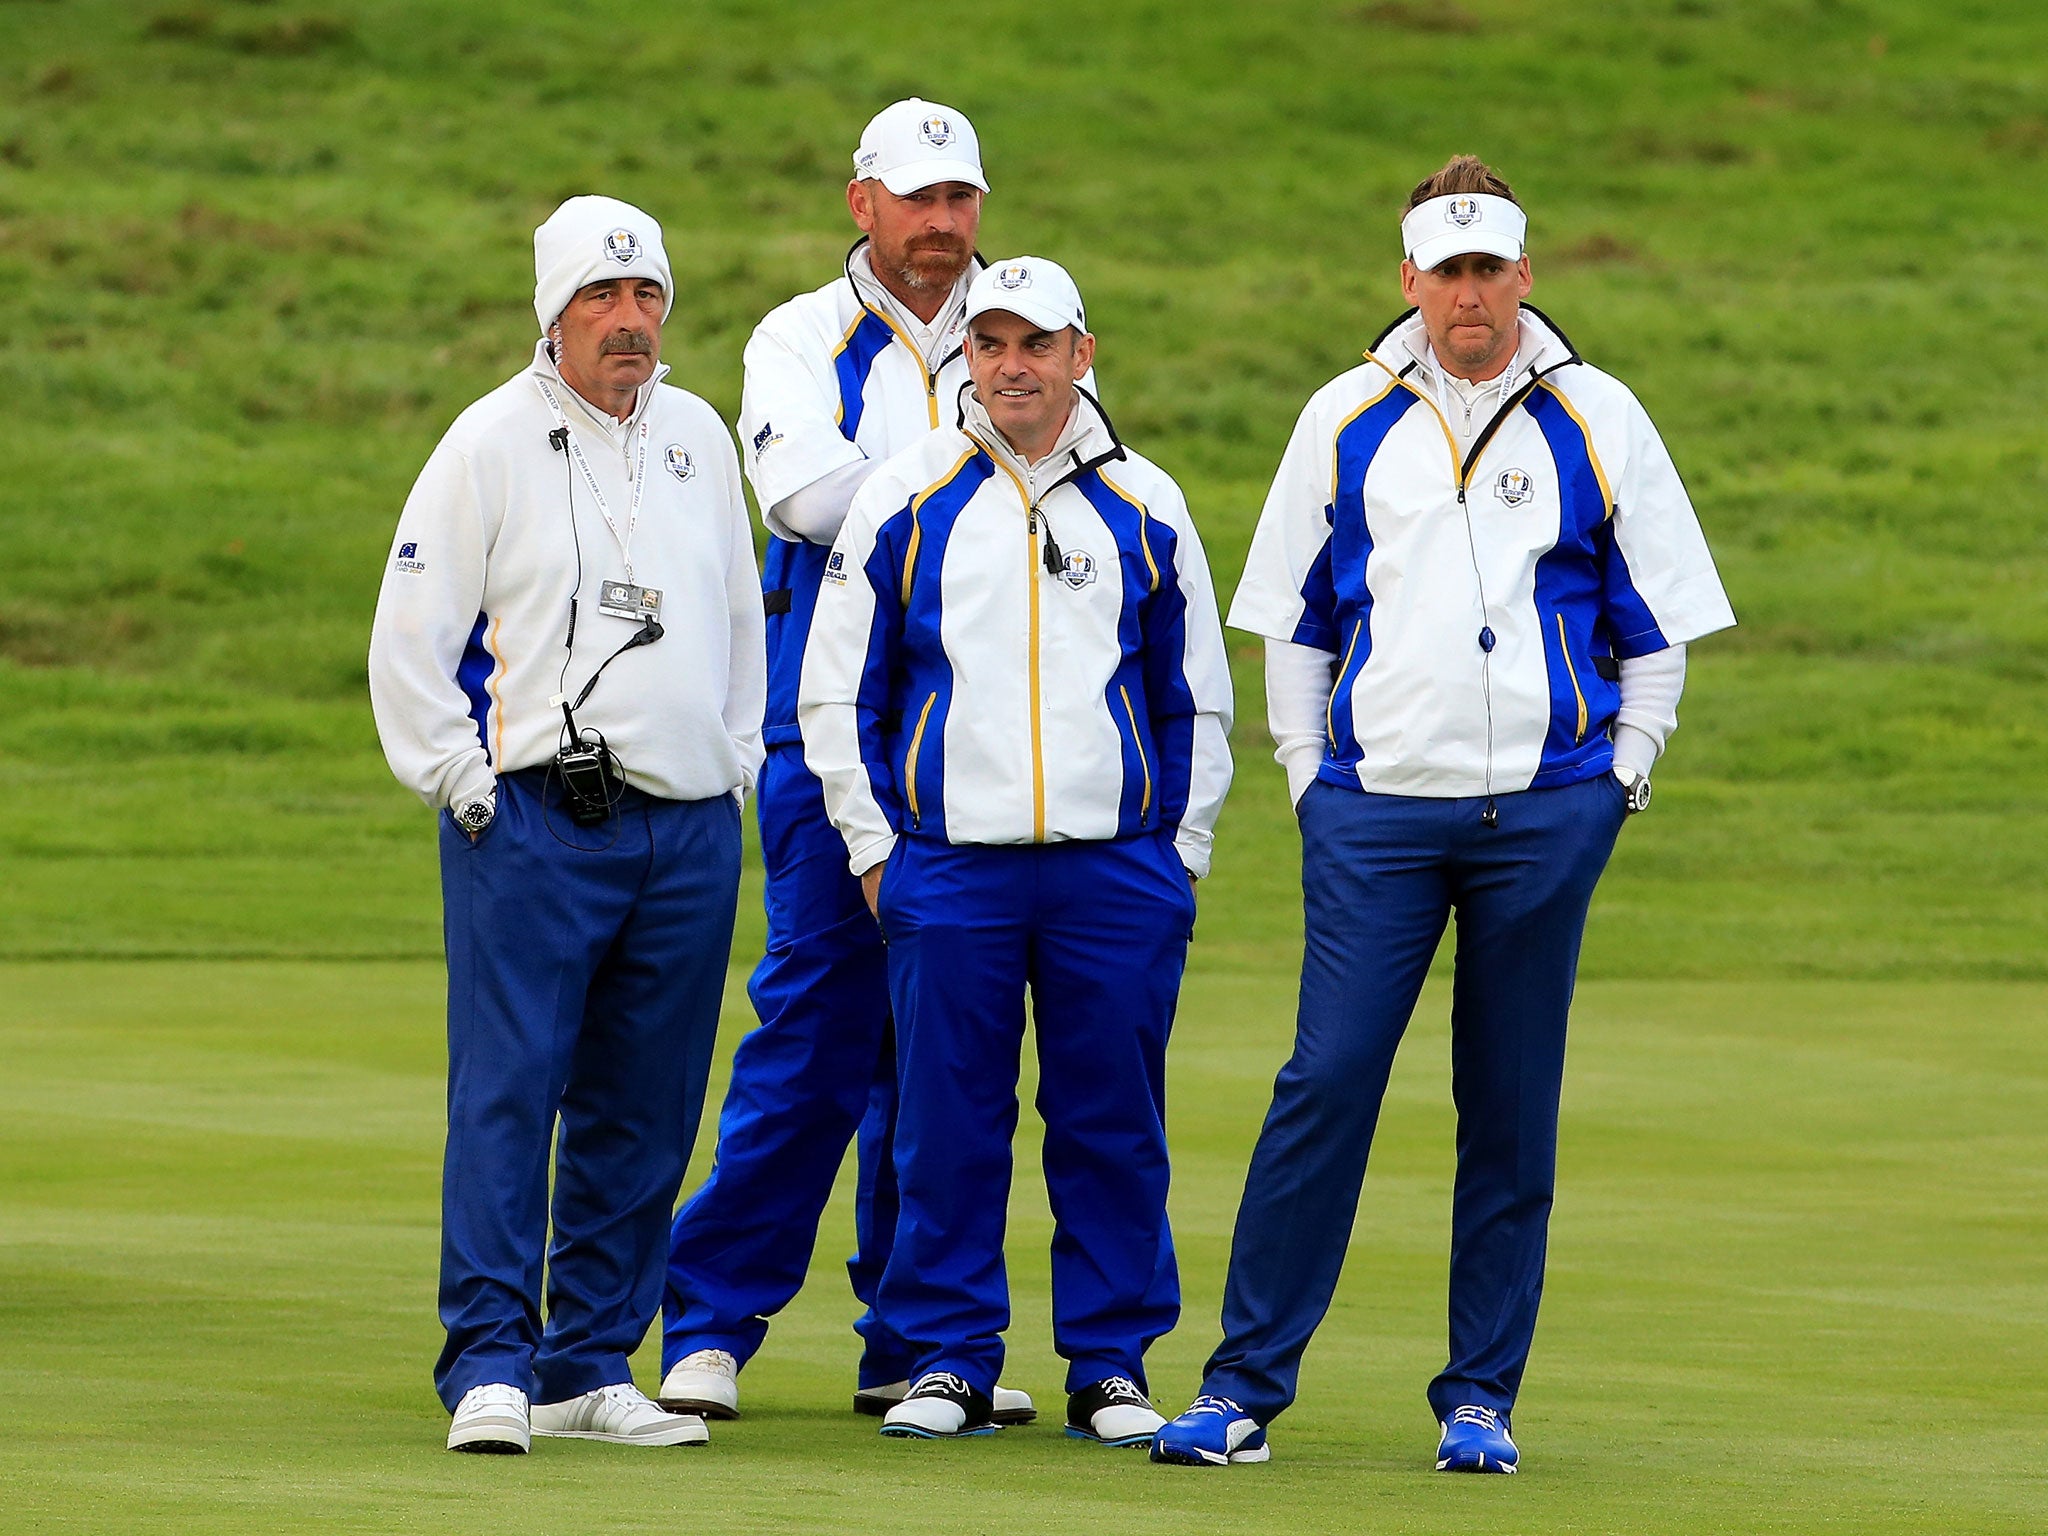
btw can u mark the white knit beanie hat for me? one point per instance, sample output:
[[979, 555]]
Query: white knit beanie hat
[[590, 239]]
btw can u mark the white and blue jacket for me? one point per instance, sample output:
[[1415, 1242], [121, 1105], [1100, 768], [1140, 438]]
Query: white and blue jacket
[[1479, 607], [1009, 654], [831, 379]]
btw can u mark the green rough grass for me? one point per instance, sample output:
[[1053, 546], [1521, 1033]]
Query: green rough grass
[[1796, 1283], [261, 254]]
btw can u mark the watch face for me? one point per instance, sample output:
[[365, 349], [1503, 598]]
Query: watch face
[[1639, 795], [475, 816]]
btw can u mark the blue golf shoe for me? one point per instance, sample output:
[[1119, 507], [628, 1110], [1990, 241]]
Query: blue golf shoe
[[1214, 1432], [1476, 1440]]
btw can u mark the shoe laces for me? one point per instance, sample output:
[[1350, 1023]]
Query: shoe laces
[[1121, 1389], [627, 1396], [1223, 1407], [715, 1360], [1487, 1419], [493, 1395], [939, 1384]]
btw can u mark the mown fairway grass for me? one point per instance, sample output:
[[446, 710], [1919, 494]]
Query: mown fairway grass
[[257, 255], [1796, 1284]]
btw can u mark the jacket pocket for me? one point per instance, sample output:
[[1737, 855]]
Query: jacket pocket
[[910, 757], [1144, 765], [1564, 649]]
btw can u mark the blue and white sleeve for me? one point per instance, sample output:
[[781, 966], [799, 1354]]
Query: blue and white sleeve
[[1285, 593]]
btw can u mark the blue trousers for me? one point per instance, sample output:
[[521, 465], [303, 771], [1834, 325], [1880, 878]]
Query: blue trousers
[[1098, 931], [585, 968], [1380, 875], [821, 1064]]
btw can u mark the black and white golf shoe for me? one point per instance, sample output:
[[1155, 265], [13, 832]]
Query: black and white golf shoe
[[1112, 1411], [940, 1406]]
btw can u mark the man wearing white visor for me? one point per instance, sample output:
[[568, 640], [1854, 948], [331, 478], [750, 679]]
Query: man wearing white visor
[[1476, 575], [836, 382], [1017, 701], [566, 664]]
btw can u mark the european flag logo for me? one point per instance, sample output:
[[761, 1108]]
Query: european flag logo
[[408, 551]]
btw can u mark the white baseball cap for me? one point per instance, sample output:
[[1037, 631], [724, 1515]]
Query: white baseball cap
[[590, 239], [1435, 231], [913, 144], [1030, 286]]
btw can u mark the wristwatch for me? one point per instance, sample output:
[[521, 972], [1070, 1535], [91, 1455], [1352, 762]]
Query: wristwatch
[[474, 816], [1636, 787]]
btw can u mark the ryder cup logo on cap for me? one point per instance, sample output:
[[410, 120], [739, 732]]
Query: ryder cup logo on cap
[[1465, 224], [1031, 287], [622, 245], [914, 144]]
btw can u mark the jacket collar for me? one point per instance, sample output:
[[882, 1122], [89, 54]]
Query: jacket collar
[[869, 293], [1088, 440], [1403, 347], [544, 368]]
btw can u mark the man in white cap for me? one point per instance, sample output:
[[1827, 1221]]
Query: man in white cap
[[1017, 701], [567, 664], [1476, 575], [836, 381]]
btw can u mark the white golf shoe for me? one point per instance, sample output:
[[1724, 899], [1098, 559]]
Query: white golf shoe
[[491, 1419], [621, 1414], [706, 1382], [1009, 1405]]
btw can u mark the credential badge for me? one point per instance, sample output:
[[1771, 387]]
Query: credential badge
[[680, 464], [622, 246], [1463, 212], [1514, 486]]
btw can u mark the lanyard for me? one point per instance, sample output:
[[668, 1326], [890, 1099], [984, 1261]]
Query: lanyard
[[625, 540]]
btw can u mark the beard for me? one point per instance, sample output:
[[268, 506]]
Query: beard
[[929, 263]]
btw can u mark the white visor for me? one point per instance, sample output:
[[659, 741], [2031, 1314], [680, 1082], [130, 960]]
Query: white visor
[[1459, 225]]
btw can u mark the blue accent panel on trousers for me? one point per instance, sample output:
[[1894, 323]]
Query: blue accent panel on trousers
[[1380, 876], [795, 566], [1098, 931], [853, 363], [473, 676], [820, 1065], [585, 969]]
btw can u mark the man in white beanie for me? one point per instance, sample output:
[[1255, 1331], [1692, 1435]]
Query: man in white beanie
[[836, 381], [567, 665], [1017, 702]]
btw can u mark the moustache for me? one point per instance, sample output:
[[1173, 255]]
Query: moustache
[[951, 245], [637, 342]]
